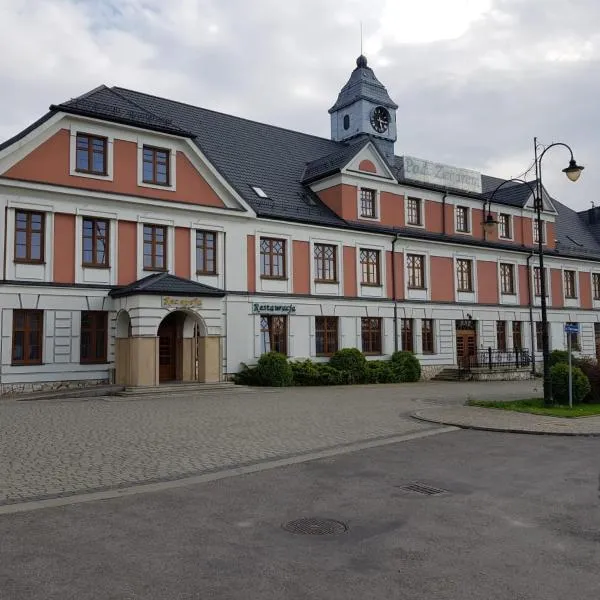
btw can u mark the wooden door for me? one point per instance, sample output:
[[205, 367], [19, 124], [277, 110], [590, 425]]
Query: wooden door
[[466, 346], [167, 349]]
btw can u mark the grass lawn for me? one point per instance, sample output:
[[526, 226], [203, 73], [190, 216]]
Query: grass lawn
[[536, 406]]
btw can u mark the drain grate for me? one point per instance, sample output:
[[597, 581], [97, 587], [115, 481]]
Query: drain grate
[[315, 526], [422, 488]]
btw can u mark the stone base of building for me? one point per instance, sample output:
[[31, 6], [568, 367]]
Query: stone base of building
[[501, 374], [430, 371], [10, 389]]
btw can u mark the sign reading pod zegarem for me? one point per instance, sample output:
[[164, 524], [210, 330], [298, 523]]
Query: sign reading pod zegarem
[[426, 171], [273, 309]]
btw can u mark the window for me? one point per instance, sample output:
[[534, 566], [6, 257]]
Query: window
[[415, 265], [156, 166], [539, 336], [27, 337], [517, 332], [95, 242], [325, 262], [504, 229], [596, 285], [326, 335], [369, 264], [464, 275], [462, 219], [574, 337], [371, 335], [406, 334], [536, 236], [273, 333], [501, 335], [272, 258], [368, 205], [346, 121], [507, 278], [570, 285], [90, 154], [94, 338], [155, 248], [427, 336], [413, 212], [206, 252], [29, 237]]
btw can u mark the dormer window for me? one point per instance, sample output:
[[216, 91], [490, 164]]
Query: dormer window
[[368, 204], [156, 165], [346, 121], [91, 154]]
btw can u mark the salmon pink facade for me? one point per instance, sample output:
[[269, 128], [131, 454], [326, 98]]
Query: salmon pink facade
[[147, 241]]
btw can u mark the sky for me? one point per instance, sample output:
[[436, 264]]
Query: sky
[[475, 80]]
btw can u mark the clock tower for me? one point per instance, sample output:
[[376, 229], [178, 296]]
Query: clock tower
[[364, 107]]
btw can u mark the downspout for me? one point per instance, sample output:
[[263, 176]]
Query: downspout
[[530, 301], [224, 366], [5, 242], [394, 294], [444, 212]]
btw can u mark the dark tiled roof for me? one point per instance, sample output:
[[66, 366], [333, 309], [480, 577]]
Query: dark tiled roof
[[166, 284], [363, 85], [573, 235], [106, 103], [22, 134], [335, 161], [513, 193]]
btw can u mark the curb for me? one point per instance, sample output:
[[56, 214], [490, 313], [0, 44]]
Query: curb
[[449, 423]]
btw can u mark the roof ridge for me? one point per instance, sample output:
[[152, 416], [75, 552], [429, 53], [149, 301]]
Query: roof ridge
[[217, 112], [143, 108]]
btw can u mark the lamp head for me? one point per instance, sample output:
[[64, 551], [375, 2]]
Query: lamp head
[[489, 223], [573, 171]]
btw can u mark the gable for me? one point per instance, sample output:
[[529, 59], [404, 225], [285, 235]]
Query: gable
[[368, 161], [48, 161]]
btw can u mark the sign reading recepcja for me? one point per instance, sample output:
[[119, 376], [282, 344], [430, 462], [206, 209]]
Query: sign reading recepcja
[[274, 309], [169, 302], [440, 174]]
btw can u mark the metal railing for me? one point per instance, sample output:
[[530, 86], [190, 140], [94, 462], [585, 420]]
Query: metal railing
[[492, 359]]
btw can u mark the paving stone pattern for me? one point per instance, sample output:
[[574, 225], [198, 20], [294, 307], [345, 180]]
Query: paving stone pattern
[[60, 447]]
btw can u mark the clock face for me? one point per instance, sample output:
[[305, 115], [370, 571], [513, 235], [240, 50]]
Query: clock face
[[380, 119]]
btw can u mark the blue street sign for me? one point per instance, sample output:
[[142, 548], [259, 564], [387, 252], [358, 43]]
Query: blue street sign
[[571, 328]]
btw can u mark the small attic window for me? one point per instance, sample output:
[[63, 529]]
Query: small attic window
[[259, 191]]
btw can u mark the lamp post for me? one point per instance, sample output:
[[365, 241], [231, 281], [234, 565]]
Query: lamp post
[[573, 171]]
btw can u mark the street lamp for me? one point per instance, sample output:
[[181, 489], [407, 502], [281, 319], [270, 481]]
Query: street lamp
[[573, 171], [489, 223]]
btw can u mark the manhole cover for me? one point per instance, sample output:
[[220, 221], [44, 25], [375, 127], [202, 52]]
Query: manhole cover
[[315, 526], [422, 488]]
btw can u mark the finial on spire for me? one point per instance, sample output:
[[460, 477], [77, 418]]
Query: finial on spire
[[361, 61]]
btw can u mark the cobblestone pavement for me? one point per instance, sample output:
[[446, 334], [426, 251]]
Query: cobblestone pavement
[[59, 447], [490, 419]]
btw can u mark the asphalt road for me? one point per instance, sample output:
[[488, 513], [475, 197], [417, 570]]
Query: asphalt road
[[520, 520]]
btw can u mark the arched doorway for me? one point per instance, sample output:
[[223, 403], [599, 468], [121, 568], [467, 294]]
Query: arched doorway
[[180, 342]]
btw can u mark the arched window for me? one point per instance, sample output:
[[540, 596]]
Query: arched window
[[346, 121]]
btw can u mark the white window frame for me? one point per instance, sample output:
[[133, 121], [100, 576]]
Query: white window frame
[[469, 219], [511, 227], [505, 297], [377, 216], [407, 197], [91, 129], [544, 231], [157, 143]]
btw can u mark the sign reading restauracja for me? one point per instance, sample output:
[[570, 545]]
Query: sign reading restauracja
[[440, 174], [274, 309]]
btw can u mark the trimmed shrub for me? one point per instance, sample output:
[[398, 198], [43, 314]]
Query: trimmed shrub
[[306, 372], [247, 376], [591, 369], [559, 374], [330, 376], [381, 371], [406, 365], [558, 357], [274, 370], [352, 362]]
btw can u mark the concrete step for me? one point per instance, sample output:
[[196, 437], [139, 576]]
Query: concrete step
[[178, 388], [450, 374]]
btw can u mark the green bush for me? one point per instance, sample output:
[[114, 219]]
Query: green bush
[[380, 371], [306, 372], [274, 370], [352, 362], [406, 366], [246, 376], [559, 374], [330, 376], [558, 356], [591, 369]]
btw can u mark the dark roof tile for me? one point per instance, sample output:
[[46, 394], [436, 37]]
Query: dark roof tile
[[166, 284]]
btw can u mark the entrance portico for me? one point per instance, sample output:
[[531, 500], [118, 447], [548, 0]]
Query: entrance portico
[[168, 329]]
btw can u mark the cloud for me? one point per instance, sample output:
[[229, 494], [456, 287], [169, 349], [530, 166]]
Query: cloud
[[475, 80]]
